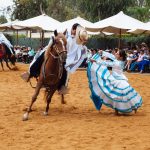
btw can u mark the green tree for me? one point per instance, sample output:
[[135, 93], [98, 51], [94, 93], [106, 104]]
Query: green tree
[[101, 9], [140, 10], [63, 9], [3, 19], [92, 10], [25, 9], [140, 13]]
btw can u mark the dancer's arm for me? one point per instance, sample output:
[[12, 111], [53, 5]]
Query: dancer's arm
[[108, 55], [107, 63]]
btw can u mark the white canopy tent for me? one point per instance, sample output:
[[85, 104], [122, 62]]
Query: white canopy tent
[[69, 23], [9, 25], [85, 23], [119, 23], [99, 33], [143, 29], [42, 22]]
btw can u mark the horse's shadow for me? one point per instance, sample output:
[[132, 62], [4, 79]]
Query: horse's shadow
[[73, 112]]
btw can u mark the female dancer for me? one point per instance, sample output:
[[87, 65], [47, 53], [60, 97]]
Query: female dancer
[[111, 89]]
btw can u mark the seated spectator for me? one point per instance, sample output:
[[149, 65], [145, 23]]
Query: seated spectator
[[129, 60], [134, 65], [17, 52], [24, 55], [145, 62], [144, 47], [31, 54]]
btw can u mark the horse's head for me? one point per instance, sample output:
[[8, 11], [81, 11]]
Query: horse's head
[[59, 46]]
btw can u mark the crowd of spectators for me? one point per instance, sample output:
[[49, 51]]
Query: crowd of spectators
[[138, 58], [24, 54]]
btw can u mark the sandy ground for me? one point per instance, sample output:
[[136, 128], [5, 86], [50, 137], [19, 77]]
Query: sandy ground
[[74, 126]]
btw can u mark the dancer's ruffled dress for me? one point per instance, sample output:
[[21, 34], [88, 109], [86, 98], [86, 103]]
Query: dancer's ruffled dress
[[111, 88]]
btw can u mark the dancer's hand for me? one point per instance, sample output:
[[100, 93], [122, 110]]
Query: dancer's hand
[[100, 52], [92, 60]]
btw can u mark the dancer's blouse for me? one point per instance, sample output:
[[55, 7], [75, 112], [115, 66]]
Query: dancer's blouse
[[117, 65]]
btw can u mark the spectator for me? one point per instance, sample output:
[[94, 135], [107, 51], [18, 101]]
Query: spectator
[[31, 54], [129, 59], [135, 64], [145, 62]]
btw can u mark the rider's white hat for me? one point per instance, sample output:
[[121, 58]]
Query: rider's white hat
[[81, 35]]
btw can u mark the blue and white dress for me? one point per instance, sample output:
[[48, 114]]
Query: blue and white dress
[[111, 88]]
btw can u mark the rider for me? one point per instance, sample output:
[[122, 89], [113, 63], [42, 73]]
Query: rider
[[76, 52], [8, 45]]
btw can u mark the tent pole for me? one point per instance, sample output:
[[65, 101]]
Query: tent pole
[[30, 38], [119, 44], [42, 38], [17, 37]]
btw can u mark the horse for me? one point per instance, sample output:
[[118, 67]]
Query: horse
[[51, 72], [6, 55]]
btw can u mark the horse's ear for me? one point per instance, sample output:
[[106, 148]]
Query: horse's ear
[[55, 33], [65, 32]]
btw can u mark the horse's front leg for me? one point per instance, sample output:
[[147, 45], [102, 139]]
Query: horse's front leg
[[48, 99], [34, 97]]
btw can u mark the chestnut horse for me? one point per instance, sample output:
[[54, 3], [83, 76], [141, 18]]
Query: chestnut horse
[[51, 71], [6, 55]]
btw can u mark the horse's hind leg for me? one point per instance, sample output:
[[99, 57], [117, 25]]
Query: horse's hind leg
[[48, 99], [2, 65], [63, 99], [8, 65], [34, 97]]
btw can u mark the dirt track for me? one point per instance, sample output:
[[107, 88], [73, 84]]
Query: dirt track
[[74, 126]]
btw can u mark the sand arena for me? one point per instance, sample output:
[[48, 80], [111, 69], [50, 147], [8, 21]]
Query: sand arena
[[74, 126]]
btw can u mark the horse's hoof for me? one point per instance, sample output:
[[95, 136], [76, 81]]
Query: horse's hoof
[[45, 113], [116, 112], [25, 117]]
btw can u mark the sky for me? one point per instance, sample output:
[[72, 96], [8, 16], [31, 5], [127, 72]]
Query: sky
[[3, 5]]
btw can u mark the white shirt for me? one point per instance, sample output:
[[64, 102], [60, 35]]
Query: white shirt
[[75, 55]]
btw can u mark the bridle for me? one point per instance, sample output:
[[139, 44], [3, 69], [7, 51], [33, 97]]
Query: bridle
[[58, 56]]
